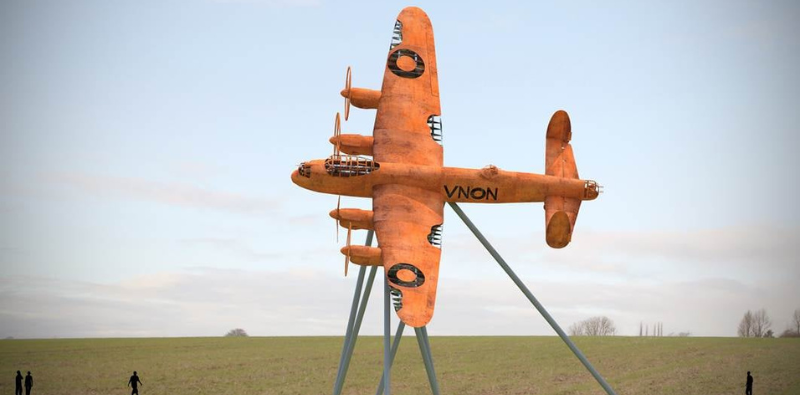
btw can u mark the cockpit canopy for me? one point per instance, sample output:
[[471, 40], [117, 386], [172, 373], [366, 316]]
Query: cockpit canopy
[[350, 165]]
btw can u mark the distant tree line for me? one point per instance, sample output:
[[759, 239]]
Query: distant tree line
[[794, 326], [658, 329], [237, 332], [759, 324]]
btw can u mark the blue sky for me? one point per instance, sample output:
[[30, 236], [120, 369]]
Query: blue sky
[[146, 147]]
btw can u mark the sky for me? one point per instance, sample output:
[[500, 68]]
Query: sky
[[146, 149]]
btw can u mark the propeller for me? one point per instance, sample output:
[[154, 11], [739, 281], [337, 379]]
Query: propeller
[[347, 256], [347, 83], [337, 131]]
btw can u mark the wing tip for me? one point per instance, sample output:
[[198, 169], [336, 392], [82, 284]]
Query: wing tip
[[560, 126]]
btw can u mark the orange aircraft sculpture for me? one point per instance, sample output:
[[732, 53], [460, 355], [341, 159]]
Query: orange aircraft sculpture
[[408, 182]]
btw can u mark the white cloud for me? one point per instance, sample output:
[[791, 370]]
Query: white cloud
[[701, 282], [754, 251], [208, 302], [174, 194]]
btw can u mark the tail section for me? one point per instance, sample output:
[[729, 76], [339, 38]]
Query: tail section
[[560, 211]]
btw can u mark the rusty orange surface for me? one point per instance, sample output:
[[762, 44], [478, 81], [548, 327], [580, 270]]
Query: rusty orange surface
[[409, 184]]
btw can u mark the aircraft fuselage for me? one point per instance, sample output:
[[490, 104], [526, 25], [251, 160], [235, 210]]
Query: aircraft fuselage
[[487, 185]]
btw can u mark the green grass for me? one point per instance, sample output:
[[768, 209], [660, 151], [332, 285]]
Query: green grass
[[464, 365]]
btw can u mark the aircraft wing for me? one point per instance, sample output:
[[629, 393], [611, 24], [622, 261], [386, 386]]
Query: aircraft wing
[[408, 131]]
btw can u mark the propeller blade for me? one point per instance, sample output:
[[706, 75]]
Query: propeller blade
[[338, 202], [337, 131], [347, 84], [347, 257]]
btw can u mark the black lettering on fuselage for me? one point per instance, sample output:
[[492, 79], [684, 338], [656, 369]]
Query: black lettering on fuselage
[[462, 192], [469, 192]]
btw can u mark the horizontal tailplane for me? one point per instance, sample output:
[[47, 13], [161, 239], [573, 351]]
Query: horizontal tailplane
[[560, 211]]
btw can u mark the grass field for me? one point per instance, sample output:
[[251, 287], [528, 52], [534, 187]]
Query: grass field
[[464, 365]]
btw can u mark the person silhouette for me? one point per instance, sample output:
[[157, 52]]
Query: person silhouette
[[134, 382], [18, 382], [748, 388], [28, 383]]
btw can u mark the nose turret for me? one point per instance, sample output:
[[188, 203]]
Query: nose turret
[[302, 176]]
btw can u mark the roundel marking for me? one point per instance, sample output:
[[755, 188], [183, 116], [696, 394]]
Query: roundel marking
[[418, 279], [404, 69]]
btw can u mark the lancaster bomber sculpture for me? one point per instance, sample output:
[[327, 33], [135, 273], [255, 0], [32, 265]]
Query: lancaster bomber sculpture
[[408, 182]]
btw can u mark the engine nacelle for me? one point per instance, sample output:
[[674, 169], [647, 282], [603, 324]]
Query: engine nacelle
[[353, 218], [363, 255], [363, 98], [353, 144]]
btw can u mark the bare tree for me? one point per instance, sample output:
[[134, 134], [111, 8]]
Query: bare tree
[[576, 329], [595, 326], [796, 321], [761, 323], [640, 329], [238, 332], [746, 325]]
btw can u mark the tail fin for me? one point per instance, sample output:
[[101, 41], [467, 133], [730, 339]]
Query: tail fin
[[560, 211]]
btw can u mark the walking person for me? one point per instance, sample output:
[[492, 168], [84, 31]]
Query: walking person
[[748, 388], [18, 382], [28, 383], [134, 382]]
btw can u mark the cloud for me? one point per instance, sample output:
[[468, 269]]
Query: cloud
[[194, 169], [174, 194], [200, 302], [240, 250], [759, 250], [699, 281], [208, 302]]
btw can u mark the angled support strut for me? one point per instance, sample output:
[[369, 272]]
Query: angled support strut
[[354, 323], [532, 299]]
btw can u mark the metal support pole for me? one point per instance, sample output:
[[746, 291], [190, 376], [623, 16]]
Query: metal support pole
[[353, 323], [351, 345], [387, 354], [395, 346], [427, 357], [532, 299]]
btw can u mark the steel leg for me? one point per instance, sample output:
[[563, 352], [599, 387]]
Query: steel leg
[[427, 357], [351, 345], [353, 325], [532, 299], [387, 360], [395, 346]]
